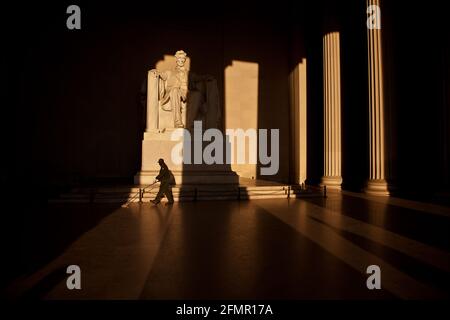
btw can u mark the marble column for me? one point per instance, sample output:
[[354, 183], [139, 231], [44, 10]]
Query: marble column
[[376, 184], [298, 88], [152, 102], [332, 111]]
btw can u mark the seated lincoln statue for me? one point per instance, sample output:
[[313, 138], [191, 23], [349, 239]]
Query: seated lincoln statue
[[186, 96]]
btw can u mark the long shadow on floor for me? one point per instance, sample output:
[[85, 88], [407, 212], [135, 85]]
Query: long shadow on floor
[[418, 270], [39, 235], [424, 227], [236, 250]]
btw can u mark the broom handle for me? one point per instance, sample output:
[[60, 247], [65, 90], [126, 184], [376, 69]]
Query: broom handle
[[136, 194], [149, 185]]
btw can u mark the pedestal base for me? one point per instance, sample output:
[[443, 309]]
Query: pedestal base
[[158, 144], [333, 183], [377, 188]]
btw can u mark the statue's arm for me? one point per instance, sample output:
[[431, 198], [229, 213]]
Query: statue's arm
[[162, 75]]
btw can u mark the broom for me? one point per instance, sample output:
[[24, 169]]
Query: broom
[[125, 205]]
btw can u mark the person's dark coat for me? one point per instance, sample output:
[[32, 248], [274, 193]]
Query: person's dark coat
[[165, 175]]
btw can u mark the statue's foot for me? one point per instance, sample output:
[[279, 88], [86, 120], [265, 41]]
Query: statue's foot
[[179, 125]]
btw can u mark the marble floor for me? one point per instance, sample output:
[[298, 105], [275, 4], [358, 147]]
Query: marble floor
[[261, 249]]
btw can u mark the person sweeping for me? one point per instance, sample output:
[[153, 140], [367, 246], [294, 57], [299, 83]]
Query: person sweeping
[[167, 180]]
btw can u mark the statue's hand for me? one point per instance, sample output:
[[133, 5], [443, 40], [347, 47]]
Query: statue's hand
[[155, 72]]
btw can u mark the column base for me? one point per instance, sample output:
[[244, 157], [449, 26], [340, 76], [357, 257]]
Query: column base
[[334, 182], [377, 188]]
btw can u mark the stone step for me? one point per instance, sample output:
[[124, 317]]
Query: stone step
[[109, 195], [175, 188], [123, 194], [264, 192], [306, 195], [210, 198], [217, 190], [263, 196], [116, 200], [235, 191], [268, 188]]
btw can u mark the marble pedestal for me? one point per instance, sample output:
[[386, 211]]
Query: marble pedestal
[[158, 144]]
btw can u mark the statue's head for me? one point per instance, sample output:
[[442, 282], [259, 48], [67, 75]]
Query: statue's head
[[180, 56]]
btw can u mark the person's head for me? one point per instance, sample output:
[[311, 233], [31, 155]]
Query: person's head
[[161, 163], [180, 56]]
